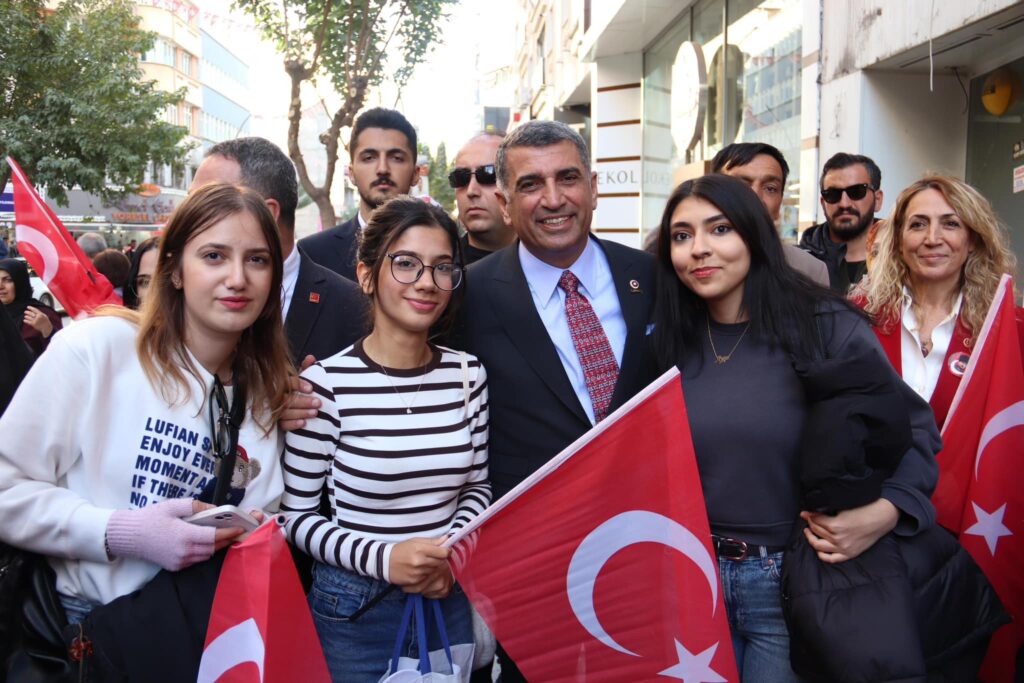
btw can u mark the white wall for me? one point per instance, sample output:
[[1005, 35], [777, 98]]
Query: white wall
[[859, 33], [617, 145], [894, 119]]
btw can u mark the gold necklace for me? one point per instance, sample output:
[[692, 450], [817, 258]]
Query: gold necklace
[[721, 360]]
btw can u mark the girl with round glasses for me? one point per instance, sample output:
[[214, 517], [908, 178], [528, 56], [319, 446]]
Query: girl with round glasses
[[399, 445]]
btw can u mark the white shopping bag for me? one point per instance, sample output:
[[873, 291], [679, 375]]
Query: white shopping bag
[[451, 664]]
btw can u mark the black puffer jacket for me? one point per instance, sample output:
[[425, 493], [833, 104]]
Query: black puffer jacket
[[815, 240], [910, 608]]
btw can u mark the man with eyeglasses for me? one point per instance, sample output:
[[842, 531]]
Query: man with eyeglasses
[[476, 195], [850, 195]]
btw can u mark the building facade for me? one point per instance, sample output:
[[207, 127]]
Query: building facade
[[215, 107], [659, 86]]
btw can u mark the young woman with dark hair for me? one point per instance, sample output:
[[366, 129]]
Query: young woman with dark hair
[[734, 318], [399, 445], [141, 273], [106, 444]]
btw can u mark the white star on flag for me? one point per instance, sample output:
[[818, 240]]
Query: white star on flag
[[989, 526], [693, 668]]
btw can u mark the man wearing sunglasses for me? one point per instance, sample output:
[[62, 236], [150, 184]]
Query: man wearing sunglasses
[[850, 196], [475, 183]]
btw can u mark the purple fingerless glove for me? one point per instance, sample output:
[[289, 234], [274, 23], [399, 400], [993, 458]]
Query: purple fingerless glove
[[156, 533]]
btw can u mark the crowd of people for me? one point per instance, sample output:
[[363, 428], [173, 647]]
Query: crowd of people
[[382, 382]]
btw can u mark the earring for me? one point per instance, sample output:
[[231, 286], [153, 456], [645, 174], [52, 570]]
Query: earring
[[176, 281]]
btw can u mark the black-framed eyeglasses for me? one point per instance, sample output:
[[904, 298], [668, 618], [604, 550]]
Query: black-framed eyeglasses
[[485, 175], [408, 269], [857, 192]]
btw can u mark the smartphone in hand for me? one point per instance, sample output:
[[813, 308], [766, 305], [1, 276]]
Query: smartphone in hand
[[224, 517]]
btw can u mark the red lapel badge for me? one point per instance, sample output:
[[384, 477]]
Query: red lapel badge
[[314, 298]]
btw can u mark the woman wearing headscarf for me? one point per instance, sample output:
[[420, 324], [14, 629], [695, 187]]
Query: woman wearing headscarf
[[38, 321]]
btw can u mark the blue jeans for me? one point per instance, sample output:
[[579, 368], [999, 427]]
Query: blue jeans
[[359, 651], [76, 609], [753, 602]]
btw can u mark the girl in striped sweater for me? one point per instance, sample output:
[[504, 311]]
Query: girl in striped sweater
[[399, 444]]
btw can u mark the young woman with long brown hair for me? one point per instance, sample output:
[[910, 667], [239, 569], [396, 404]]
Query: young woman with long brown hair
[[107, 442]]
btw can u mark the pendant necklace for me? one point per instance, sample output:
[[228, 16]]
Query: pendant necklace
[[409, 405], [721, 360]]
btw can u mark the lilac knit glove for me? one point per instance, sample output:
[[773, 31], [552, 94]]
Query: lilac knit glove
[[157, 534]]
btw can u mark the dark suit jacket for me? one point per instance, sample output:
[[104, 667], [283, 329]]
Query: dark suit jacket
[[534, 412], [335, 249], [328, 313]]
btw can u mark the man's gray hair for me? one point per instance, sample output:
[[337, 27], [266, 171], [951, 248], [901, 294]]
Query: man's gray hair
[[92, 243], [266, 169], [539, 134]]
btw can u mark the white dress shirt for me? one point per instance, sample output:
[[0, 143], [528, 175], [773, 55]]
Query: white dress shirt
[[919, 371], [597, 286], [288, 280]]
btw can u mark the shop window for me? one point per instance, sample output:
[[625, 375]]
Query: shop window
[[752, 48], [995, 145]]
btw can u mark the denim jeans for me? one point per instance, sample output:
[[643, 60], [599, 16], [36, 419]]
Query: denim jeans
[[753, 602], [359, 651], [76, 609]]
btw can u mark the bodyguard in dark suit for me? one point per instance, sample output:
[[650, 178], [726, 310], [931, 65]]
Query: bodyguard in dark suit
[[382, 148], [323, 312], [559, 318]]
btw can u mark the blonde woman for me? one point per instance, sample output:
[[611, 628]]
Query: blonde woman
[[940, 258]]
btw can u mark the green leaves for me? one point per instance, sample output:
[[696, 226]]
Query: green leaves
[[73, 107], [353, 45]]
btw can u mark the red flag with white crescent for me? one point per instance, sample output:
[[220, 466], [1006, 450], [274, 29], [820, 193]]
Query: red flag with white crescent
[[260, 627], [599, 567], [979, 496], [48, 247]]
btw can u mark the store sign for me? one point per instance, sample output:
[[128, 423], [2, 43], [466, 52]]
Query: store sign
[[143, 210], [689, 95]]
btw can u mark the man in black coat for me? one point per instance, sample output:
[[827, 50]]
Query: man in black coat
[[382, 148], [542, 397], [323, 312]]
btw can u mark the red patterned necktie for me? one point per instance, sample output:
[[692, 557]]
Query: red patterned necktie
[[600, 371]]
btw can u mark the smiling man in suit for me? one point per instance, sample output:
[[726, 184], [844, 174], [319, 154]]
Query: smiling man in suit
[[533, 306], [383, 152], [323, 312]]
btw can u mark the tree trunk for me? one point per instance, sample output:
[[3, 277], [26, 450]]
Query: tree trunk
[[327, 217]]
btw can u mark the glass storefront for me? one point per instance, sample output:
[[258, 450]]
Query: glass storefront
[[750, 92], [995, 145]]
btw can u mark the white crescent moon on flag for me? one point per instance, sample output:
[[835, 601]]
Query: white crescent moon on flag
[[39, 241], [1004, 420], [622, 530], [239, 644]]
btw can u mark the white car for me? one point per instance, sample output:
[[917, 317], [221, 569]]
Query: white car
[[40, 290]]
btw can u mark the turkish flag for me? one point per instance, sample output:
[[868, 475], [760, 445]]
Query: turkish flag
[[979, 496], [47, 246], [599, 567], [260, 627]]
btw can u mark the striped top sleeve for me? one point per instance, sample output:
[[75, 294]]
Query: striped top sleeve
[[398, 453]]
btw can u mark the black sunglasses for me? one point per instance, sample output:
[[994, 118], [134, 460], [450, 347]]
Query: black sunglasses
[[485, 175], [854, 192]]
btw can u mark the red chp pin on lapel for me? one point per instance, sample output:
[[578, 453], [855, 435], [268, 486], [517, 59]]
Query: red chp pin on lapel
[[314, 298]]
